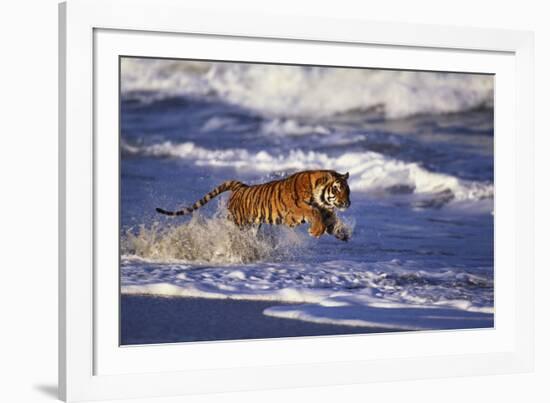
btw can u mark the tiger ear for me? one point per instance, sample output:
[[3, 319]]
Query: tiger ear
[[345, 176]]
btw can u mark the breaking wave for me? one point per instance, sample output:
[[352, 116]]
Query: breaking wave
[[306, 91], [369, 171]]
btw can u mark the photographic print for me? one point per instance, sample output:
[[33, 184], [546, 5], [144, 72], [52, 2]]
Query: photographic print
[[264, 201]]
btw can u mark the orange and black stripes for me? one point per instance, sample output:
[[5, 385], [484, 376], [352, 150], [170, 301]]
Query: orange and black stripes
[[265, 203]]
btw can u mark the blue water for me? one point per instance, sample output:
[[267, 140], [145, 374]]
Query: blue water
[[421, 213]]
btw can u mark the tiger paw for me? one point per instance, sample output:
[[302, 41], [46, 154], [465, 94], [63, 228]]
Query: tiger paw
[[342, 233]]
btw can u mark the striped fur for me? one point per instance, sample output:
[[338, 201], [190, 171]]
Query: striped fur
[[304, 197]]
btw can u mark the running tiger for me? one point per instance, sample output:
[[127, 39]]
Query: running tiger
[[308, 196]]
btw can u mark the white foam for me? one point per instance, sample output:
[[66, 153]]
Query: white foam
[[286, 91], [383, 294], [163, 78], [369, 171], [403, 318], [291, 127]]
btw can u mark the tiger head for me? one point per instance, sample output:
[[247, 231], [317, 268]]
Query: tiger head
[[333, 192]]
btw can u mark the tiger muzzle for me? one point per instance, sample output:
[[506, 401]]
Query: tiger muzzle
[[344, 205]]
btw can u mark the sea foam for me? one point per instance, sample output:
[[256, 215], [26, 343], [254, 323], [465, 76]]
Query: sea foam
[[393, 294]]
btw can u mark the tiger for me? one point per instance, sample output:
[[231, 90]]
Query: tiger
[[304, 197]]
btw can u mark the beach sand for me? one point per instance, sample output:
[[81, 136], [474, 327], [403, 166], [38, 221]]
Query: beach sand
[[149, 320]]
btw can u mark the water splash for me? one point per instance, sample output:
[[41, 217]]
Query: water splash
[[214, 240]]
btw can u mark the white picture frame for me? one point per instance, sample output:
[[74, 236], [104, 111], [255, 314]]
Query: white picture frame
[[92, 365]]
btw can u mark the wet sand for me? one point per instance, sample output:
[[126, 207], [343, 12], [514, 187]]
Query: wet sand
[[148, 320]]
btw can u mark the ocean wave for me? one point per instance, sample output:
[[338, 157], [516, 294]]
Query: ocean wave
[[369, 171], [394, 294], [291, 127], [305, 91]]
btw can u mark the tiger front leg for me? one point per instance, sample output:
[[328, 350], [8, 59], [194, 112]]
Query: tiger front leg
[[307, 214], [317, 226]]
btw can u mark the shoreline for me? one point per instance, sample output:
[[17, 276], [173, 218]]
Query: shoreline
[[157, 319]]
